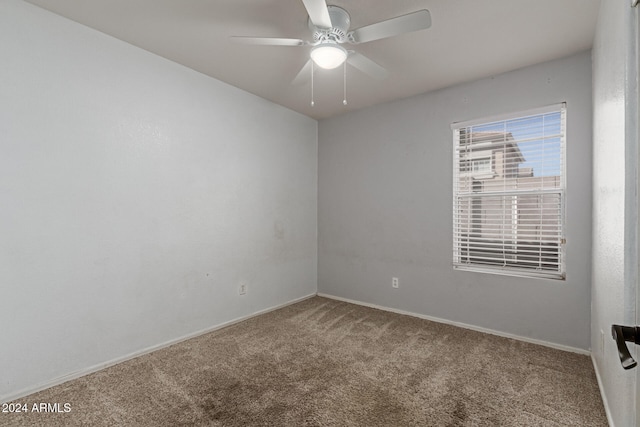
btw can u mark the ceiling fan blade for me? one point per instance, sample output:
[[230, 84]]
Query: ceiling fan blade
[[269, 41], [318, 13], [420, 20], [367, 66], [303, 74]]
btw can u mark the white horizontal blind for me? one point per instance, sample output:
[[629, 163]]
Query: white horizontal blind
[[509, 184]]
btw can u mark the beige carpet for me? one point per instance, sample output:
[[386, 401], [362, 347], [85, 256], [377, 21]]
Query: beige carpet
[[327, 363]]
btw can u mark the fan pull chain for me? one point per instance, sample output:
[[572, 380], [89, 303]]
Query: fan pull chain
[[312, 101], [344, 83]]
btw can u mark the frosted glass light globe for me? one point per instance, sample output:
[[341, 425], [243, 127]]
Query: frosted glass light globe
[[328, 55]]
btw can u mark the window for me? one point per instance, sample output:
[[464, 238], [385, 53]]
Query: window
[[477, 164], [509, 191], [480, 166]]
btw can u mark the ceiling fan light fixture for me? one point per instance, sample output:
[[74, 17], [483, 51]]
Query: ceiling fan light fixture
[[328, 55]]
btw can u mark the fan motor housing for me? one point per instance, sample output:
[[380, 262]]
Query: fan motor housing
[[341, 22]]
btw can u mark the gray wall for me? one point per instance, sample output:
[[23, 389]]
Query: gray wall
[[136, 195], [615, 204], [385, 207]]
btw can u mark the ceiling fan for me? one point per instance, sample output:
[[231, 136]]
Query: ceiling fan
[[329, 26]]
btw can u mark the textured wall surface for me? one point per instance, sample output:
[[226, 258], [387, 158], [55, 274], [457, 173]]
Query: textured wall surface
[[136, 195], [615, 213], [385, 207]]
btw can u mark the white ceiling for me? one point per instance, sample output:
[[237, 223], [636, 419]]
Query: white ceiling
[[468, 40]]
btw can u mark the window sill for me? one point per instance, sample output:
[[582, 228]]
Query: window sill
[[531, 274]]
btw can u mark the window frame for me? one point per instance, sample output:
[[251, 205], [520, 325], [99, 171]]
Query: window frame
[[512, 269]]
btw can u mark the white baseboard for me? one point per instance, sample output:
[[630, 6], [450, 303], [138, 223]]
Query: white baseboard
[[463, 325], [601, 387], [100, 366]]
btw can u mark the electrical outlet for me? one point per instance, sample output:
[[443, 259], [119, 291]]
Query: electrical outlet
[[242, 289], [395, 282]]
